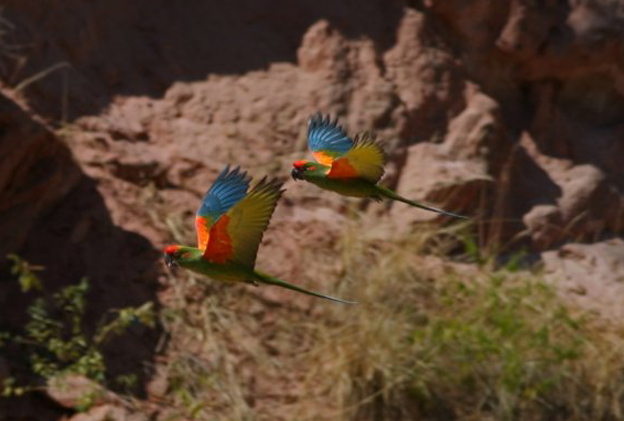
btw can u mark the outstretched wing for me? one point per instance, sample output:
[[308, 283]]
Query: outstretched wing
[[237, 234], [326, 139], [366, 159], [228, 189]]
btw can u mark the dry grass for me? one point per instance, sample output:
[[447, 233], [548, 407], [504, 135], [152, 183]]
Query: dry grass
[[427, 343], [429, 339], [225, 344], [201, 367]]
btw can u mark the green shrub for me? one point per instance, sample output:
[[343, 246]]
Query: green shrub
[[430, 339], [507, 341], [55, 340]]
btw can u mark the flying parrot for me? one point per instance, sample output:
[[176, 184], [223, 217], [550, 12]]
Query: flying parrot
[[348, 167], [229, 225]]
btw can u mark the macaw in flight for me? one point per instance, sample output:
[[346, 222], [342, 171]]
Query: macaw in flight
[[348, 167], [229, 225]]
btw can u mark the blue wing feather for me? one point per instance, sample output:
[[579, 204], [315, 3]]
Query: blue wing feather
[[327, 136], [228, 189]]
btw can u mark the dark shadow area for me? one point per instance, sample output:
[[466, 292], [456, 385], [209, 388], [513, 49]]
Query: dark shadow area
[[71, 235], [529, 184], [523, 185], [34, 406], [581, 119], [77, 239], [116, 47]]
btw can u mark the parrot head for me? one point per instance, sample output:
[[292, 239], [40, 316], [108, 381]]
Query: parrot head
[[303, 169], [176, 256]]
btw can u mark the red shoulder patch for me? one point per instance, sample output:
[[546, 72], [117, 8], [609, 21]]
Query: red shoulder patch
[[219, 249], [342, 169]]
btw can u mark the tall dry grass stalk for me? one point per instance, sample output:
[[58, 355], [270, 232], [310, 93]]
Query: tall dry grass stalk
[[451, 341]]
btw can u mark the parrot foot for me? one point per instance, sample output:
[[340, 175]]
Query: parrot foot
[[254, 283]]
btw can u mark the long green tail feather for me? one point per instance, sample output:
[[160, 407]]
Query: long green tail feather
[[267, 279], [383, 191]]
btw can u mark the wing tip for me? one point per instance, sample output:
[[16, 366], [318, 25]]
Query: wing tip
[[270, 185], [318, 120], [370, 138], [229, 178], [238, 173], [232, 172]]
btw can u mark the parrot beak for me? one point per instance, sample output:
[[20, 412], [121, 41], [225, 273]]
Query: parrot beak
[[296, 174], [170, 262]]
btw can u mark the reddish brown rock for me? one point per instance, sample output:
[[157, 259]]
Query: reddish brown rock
[[545, 225], [544, 70], [73, 390], [36, 172], [427, 80], [591, 274], [109, 413], [323, 49], [527, 27], [429, 176]]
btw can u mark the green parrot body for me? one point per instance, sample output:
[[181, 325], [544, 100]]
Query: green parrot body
[[348, 167], [230, 224], [192, 258], [354, 187]]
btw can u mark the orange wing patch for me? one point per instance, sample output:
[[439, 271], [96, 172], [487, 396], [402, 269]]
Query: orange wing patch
[[323, 158], [201, 228], [219, 249]]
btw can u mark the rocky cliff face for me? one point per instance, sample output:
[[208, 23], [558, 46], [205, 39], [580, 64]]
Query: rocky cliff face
[[37, 171], [511, 111]]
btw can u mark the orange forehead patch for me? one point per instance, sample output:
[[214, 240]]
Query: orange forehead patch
[[300, 163]]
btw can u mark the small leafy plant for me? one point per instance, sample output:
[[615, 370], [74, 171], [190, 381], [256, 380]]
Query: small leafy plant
[[55, 342], [25, 272]]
